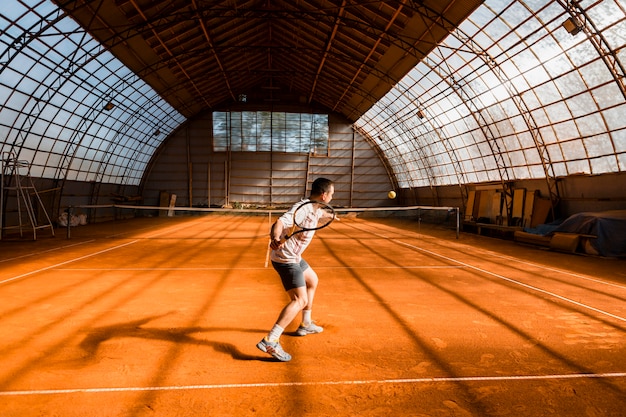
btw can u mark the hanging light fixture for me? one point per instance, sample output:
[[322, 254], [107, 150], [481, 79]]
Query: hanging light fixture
[[572, 26]]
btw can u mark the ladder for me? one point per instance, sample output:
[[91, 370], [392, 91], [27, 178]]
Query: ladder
[[16, 180]]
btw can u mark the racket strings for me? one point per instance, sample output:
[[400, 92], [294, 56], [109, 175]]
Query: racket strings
[[327, 216], [305, 218], [313, 215]]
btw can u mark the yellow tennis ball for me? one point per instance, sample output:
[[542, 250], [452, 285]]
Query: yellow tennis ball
[[391, 194]]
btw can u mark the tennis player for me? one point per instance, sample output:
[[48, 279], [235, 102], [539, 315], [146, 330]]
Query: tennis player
[[298, 278]]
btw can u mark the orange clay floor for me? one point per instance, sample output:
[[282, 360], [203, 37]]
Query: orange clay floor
[[160, 317]]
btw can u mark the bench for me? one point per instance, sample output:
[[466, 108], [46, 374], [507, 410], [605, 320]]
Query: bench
[[570, 242], [492, 230]]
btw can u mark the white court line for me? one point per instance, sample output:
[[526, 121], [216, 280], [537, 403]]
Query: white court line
[[259, 268], [252, 268], [267, 255], [319, 383], [44, 251], [66, 262], [560, 271], [157, 233], [536, 265], [395, 267], [502, 277], [511, 280]]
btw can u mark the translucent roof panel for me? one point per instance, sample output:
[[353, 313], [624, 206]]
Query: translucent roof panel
[[68, 106], [522, 89], [513, 93]]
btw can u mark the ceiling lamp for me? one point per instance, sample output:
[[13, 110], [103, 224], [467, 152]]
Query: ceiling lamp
[[572, 26]]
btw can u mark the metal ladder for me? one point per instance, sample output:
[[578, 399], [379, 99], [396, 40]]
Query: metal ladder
[[16, 179]]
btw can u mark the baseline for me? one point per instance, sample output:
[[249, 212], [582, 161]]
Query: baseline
[[610, 375]]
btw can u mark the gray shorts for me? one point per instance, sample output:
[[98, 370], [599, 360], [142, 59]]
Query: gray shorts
[[292, 275]]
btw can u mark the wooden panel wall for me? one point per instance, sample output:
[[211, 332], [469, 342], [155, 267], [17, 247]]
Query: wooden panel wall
[[187, 166]]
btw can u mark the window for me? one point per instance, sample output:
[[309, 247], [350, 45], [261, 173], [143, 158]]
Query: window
[[270, 131]]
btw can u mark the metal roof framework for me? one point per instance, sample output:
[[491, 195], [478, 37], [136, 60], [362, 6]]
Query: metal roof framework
[[515, 92], [450, 92], [343, 55]]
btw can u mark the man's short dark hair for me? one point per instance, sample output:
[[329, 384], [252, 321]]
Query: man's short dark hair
[[321, 186]]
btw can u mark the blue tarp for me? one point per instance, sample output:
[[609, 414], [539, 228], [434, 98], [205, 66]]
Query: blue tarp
[[608, 226]]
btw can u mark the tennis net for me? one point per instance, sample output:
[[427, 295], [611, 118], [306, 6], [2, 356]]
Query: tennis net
[[446, 217]]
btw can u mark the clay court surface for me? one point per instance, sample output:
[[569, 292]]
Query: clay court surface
[[160, 317]]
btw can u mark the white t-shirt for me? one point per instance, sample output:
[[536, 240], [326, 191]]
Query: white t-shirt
[[291, 250]]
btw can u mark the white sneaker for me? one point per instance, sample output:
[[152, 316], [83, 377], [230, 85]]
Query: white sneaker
[[274, 349], [310, 328]]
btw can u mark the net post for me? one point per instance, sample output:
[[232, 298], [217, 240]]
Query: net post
[[458, 222], [419, 220], [267, 252]]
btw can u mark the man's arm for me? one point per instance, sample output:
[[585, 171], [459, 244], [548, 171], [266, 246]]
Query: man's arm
[[275, 233]]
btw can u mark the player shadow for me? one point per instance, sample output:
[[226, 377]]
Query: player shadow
[[92, 343]]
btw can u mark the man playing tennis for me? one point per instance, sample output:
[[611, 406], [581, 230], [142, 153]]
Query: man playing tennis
[[298, 278]]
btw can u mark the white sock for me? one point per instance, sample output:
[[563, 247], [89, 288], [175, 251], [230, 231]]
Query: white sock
[[306, 316], [275, 333]]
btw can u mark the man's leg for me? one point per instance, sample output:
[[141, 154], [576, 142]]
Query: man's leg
[[298, 301], [311, 280], [270, 344], [307, 326]]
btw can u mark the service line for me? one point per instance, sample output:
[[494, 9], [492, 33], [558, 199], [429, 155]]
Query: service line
[[66, 262], [225, 268], [44, 251]]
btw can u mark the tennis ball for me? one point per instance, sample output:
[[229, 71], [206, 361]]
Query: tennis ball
[[391, 194]]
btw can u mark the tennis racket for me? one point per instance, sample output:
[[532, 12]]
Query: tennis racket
[[312, 215]]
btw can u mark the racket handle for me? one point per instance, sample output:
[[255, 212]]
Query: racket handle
[[280, 242]]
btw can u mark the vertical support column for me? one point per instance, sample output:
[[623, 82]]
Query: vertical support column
[[352, 167], [208, 182]]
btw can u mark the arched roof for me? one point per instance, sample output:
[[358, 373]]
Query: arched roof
[[521, 89], [343, 55], [452, 92]]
